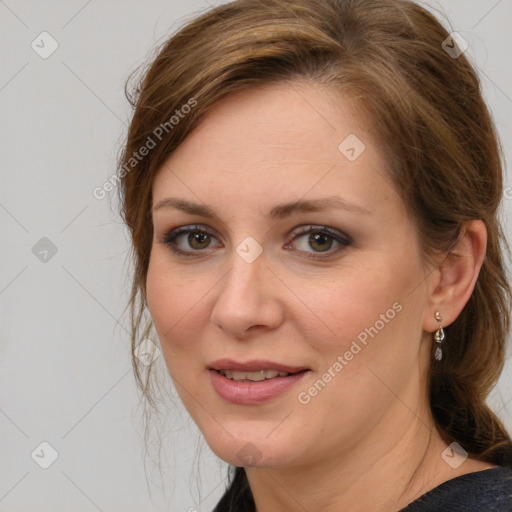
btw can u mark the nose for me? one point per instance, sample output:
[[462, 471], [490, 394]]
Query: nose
[[248, 300]]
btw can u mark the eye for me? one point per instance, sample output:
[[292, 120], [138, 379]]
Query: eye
[[190, 239], [318, 240]]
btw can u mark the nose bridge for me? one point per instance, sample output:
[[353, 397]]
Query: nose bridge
[[248, 262], [244, 283], [246, 298]]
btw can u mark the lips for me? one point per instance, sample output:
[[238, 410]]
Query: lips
[[253, 382], [254, 366]]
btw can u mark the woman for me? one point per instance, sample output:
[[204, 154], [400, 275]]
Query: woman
[[311, 188]]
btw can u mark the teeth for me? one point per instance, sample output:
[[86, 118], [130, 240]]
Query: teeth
[[253, 376]]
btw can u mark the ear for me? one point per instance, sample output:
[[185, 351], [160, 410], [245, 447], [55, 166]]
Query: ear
[[456, 275]]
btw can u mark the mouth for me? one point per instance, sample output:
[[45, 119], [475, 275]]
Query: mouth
[[256, 376], [253, 382], [254, 370]]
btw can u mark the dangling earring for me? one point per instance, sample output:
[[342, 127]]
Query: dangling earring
[[439, 337]]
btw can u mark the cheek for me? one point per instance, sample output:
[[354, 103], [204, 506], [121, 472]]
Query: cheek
[[369, 318], [371, 337], [373, 325], [174, 304], [345, 307]]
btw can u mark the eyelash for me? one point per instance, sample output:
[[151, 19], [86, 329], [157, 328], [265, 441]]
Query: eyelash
[[343, 240]]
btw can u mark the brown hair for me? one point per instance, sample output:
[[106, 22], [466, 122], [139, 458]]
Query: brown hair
[[430, 119]]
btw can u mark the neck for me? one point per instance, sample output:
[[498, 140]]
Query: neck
[[381, 473]]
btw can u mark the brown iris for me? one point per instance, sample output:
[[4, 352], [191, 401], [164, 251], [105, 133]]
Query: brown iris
[[199, 240], [320, 242]]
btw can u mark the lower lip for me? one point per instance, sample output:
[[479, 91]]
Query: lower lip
[[252, 393]]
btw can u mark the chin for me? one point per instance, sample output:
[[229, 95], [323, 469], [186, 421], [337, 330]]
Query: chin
[[251, 449]]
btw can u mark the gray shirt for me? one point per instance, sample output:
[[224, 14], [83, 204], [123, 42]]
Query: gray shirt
[[489, 490]]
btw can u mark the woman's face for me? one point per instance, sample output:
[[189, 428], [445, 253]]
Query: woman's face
[[281, 246]]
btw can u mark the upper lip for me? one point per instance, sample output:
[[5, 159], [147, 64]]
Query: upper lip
[[253, 365]]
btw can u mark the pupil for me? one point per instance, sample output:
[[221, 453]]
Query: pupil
[[321, 241], [198, 240]]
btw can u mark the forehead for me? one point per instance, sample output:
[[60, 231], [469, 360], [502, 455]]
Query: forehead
[[276, 140]]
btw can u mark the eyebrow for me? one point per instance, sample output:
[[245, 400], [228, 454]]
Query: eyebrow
[[280, 211], [315, 205], [187, 207]]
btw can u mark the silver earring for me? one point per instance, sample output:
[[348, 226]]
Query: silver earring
[[438, 338]]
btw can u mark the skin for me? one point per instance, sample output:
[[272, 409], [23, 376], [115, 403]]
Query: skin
[[370, 426]]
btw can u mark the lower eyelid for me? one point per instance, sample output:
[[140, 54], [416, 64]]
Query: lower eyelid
[[322, 254]]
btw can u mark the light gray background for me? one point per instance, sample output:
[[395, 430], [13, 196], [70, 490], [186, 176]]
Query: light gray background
[[66, 375]]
